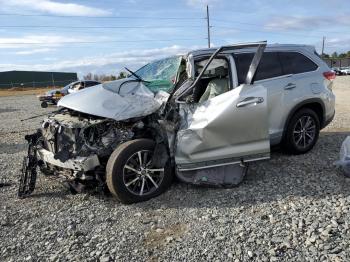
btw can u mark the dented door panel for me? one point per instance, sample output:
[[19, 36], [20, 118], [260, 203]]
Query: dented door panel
[[226, 129]]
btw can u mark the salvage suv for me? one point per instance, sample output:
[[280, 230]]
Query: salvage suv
[[202, 117]]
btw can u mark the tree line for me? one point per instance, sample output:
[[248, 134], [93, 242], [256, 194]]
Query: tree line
[[103, 77], [336, 55]]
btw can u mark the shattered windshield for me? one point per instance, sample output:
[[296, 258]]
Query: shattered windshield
[[160, 74]]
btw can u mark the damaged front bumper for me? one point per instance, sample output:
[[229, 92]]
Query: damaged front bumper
[[77, 164]]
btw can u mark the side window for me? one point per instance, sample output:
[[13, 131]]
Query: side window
[[214, 81], [76, 86], [89, 83], [243, 62], [295, 63], [81, 86], [269, 66]]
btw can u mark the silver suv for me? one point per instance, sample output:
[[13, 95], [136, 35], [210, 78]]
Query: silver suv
[[202, 116]]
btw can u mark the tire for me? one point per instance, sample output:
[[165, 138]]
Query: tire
[[44, 104], [302, 132], [135, 185]]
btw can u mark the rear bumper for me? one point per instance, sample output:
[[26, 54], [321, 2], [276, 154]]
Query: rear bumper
[[77, 164], [328, 120]]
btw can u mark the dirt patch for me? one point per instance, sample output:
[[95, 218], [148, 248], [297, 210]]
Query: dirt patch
[[162, 236], [8, 110], [22, 91], [11, 148]]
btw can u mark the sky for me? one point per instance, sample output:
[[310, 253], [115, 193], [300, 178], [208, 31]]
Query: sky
[[104, 36]]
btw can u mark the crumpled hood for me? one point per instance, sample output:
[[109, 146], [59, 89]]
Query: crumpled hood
[[118, 100]]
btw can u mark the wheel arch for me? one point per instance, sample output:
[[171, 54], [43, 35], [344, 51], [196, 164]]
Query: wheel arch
[[316, 104]]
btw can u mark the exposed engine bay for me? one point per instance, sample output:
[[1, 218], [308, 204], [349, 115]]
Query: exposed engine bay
[[76, 146]]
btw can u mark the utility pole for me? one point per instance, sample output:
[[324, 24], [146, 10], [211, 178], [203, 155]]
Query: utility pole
[[53, 80], [208, 26], [323, 39]]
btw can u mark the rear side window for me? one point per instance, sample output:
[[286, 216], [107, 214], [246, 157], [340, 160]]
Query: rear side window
[[269, 66], [296, 63]]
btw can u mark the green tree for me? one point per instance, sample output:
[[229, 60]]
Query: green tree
[[122, 75], [334, 55]]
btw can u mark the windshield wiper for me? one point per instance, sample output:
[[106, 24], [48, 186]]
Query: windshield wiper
[[135, 75]]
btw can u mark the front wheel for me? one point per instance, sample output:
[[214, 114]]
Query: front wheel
[[302, 132], [131, 175]]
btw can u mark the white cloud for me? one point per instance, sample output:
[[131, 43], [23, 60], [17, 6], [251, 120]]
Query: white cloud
[[109, 63], [284, 23], [105, 64], [56, 8], [34, 51], [338, 43], [36, 41], [201, 3]]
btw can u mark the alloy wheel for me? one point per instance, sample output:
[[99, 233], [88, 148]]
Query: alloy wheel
[[139, 176], [304, 132]]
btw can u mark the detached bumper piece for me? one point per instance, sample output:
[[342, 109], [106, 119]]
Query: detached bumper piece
[[221, 176], [30, 163], [76, 164]]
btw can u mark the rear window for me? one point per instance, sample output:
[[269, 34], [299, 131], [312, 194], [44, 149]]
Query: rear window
[[269, 66], [296, 63]]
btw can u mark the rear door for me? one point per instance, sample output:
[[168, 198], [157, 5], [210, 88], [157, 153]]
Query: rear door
[[227, 129], [279, 84]]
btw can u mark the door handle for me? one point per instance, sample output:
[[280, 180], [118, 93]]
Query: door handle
[[290, 86], [250, 101]]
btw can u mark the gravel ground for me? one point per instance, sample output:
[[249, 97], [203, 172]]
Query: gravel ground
[[291, 208]]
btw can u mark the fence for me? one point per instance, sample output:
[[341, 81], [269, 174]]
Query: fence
[[37, 84], [337, 62]]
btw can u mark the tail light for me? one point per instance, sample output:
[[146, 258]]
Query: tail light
[[330, 75]]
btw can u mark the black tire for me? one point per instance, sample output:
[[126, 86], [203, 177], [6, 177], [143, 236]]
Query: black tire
[[44, 104], [116, 174], [291, 140]]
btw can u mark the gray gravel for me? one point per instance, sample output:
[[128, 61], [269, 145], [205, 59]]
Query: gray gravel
[[291, 208]]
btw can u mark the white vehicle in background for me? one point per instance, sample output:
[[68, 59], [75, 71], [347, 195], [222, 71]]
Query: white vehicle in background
[[345, 70]]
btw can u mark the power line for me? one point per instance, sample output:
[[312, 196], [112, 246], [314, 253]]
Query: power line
[[97, 42], [266, 32], [96, 27], [105, 17], [266, 26]]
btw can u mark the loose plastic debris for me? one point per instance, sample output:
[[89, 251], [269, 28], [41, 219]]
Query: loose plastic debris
[[344, 161]]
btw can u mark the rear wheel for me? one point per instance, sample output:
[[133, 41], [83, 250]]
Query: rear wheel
[[302, 132], [131, 175]]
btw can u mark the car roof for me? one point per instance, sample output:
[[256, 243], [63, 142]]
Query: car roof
[[269, 47]]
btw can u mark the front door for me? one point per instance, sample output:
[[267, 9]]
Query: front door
[[226, 129]]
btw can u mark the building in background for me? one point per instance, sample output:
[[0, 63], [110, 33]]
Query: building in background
[[337, 62], [36, 79]]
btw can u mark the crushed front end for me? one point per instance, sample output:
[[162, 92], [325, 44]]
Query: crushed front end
[[75, 147]]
